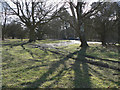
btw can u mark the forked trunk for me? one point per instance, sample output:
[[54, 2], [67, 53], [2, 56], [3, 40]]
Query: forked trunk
[[81, 34]]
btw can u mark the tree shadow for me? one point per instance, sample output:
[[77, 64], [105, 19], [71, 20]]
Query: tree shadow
[[81, 70], [100, 75], [112, 77], [80, 67], [81, 77], [108, 60], [51, 70], [17, 44], [27, 50]]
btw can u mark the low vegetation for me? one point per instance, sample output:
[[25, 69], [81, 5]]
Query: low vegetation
[[25, 66]]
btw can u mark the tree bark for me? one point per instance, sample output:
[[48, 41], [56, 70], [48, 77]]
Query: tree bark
[[119, 32], [3, 29], [13, 37], [118, 11], [3, 38], [83, 43], [103, 41], [80, 25], [83, 40], [32, 34], [103, 35]]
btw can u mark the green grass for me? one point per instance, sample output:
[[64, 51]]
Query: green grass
[[35, 68]]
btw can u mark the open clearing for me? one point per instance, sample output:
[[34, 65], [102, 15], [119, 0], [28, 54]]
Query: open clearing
[[40, 65]]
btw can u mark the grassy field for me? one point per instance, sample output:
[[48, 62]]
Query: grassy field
[[30, 67]]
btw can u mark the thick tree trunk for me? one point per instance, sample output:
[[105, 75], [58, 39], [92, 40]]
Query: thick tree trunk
[[119, 29], [32, 34], [21, 39], [103, 35], [83, 40], [3, 38], [13, 37], [80, 25], [83, 43], [81, 34], [103, 39], [3, 30], [119, 33]]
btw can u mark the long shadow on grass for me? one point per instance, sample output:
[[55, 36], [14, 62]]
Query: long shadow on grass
[[80, 67], [102, 59], [27, 50], [103, 75], [81, 79], [17, 44], [51, 70]]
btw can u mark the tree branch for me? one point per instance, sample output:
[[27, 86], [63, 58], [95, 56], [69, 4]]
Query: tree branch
[[91, 11]]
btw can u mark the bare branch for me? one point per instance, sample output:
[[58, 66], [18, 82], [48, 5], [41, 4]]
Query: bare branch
[[91, 11], [72, 10]]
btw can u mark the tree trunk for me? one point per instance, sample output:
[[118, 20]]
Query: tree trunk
[[80, 25], [3, 38], [83, 43], [13, 37], [81, 35], [21, 39], [103, 35], [103, 39], [3, 30], [119, 33], [119, 29], [32, 34], [83, 40]]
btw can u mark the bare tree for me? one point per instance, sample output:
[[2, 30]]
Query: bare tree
[[78, 17], [5, 10], [33, 13]]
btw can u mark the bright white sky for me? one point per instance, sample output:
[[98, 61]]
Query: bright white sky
[[56, 1], [52, 1]]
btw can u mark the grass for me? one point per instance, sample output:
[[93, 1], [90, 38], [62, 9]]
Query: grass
[[30, 67]]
